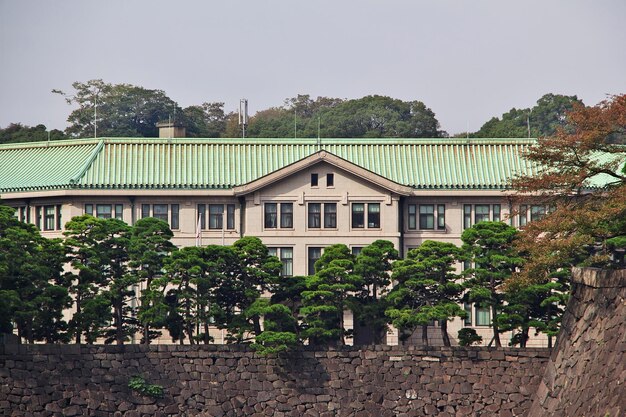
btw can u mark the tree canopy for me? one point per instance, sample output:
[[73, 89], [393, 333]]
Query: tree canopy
[[543, 119], [583, 181]]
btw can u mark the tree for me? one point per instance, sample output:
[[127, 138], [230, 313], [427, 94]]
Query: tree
[[377, 117], [427, 289], [16, 132], [120, 110], [31, 286], [184, 268], [327, 295], [150, 244], [543, 119], [489, 246], [581, 176], [85, 282], [205, 121], [373, 266], [257, 270]]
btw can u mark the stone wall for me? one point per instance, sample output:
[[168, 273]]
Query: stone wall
[[587, 372], [69, 380]]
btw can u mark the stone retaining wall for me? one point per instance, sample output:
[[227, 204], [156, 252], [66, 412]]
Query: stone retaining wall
[[587, 373], [69, 380]]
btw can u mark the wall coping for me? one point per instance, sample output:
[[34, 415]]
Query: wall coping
[[599, 278]]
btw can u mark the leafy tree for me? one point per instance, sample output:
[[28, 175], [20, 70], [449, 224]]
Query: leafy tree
[[205, 121], [581, 175], [121, 110], [489, 245], [427, 289], [377, 117], [373, 265], [150, 244], [544, 118], [31, 281], [327, 296], [16, 132]]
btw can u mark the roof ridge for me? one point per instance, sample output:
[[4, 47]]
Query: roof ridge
[[92, 157]]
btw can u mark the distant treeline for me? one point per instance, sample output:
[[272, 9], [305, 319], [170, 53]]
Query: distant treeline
[[125, 110]]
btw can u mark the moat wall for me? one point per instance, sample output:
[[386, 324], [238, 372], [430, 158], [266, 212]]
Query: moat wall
[[586, 375], [69, 380]]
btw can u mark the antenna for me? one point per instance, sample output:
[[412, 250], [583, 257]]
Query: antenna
[[295, 124], [243, 116], [319, 139], [95, 117]]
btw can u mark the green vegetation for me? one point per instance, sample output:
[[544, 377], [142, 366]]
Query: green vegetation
[[139, 384]]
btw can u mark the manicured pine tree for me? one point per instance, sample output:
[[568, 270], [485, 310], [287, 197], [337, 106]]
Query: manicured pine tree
[[32, 291], [327, 296], [427, 289], [373, 265], [150, 244], [489, 246]]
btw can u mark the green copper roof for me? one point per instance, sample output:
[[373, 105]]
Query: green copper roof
[[225, 163]]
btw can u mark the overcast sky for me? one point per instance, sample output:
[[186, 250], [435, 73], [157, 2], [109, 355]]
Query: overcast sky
[[468, 60]]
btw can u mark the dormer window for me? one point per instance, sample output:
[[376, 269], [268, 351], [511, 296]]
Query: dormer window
[[330, 180]]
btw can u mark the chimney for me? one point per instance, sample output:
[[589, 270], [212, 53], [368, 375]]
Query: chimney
[[170, 130]]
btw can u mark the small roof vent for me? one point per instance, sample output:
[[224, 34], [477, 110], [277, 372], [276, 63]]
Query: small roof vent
[[170, 130]]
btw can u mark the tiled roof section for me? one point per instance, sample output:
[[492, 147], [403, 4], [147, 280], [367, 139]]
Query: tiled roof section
[[44, 165], [225, 163]]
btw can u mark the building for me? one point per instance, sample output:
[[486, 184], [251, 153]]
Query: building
[[297, 195]]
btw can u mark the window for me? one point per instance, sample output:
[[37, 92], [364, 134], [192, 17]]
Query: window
[[496, 212], [412, 217], [202, 216], [523, 215], [314, 180], [441, 217], [537, 213], [330, 215], [467, 216], [286, 257], [286, 215], [49, 223], [483, 316], [23, 214], [373, 215], [168, 213], [48, 217], [358, 215], [481, 213], [216, 216], [467, 321], [356, 250], [160, 211], [330, 180], [271, 215], [314, 254], [105, 211], [315, 215], [230, 216], [175, 217], [427, 216]]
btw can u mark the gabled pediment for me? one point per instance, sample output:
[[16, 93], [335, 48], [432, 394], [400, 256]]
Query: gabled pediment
[[317, 158]]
